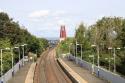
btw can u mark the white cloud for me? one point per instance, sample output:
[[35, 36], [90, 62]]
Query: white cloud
[[50, 24], [38, 14], [58, 13], [56, 17], [34, 20], [43, 13], [61, 22]]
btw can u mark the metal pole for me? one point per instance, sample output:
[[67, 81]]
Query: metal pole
[[114, 61], [98, 59], [1, 66], [98, 56], [23, 55]]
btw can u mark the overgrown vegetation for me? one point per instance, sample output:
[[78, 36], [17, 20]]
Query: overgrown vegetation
[[63, 47], [11, 35], [108, 32]]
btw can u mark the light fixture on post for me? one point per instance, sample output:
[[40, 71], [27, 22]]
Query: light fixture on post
[[93, 46], [110, 48], [19, 55], [114, 55], [98, 61], [2, 80], [23, 52]]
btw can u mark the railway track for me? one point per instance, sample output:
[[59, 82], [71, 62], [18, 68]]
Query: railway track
[[48, 70]]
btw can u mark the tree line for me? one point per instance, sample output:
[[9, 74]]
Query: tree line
[[107, 32], [12, 34]]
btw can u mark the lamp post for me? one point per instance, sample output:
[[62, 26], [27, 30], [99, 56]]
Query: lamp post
[[93, 46], [12, 61], [23, 52], [114, 55], [19, 54], [11, 50], [98, 57], [2, 63], [114, 60], [110, 48]]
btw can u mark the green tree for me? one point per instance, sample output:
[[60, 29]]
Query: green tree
[[80, 34], [5, 43], [12, 34]]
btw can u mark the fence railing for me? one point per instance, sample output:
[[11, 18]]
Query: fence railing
[[99, 71], [8, 75]]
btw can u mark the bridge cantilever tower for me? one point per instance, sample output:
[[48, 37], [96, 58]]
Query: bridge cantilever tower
[[62, 33]]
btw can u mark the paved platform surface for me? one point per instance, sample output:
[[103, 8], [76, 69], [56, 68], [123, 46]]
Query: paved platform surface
[[20, 76], [76, 78], [85, 74], [30, 74]]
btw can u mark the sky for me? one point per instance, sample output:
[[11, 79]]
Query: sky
[[43, 18]]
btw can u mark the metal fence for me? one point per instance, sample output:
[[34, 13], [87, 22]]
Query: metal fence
[[8, 75], [99, 72]]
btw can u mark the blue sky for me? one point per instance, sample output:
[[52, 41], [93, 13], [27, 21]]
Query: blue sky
[[44, 17]]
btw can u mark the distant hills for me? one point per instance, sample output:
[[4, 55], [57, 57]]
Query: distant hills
[[52, 38]]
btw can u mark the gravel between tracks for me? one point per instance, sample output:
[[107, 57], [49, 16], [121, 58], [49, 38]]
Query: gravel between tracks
[[49, 70]]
